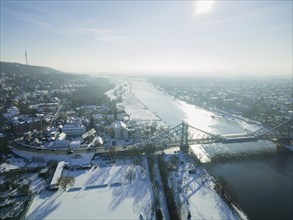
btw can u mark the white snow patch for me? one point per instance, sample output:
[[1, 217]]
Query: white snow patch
[[102, 192]]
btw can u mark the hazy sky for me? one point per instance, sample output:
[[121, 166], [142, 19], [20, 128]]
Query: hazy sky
[[247, 37]]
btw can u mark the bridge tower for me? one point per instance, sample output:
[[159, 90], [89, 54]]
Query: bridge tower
[[184, 137]]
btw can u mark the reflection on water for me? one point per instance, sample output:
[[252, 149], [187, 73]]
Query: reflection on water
[[236, 151], [259, 172]]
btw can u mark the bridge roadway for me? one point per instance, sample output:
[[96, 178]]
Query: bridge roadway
[[33, 149], [225, 139], [65, 151]]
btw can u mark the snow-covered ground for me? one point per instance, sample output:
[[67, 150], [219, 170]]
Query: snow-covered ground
[[160, 192], [15, 163], [204, 202], [195, 193], [102, 192], [137, 110], [36, 183]]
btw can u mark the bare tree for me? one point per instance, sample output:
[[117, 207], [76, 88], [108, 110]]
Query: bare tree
[[112, 153], [138, 162], [173, 163], [130, 175], [153, 128], [189, 215], [64, 181]]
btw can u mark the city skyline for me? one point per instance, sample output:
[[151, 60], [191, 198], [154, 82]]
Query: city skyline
[[143, 37]]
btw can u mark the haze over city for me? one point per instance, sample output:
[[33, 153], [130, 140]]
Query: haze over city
[[147, 37], [149, 110]]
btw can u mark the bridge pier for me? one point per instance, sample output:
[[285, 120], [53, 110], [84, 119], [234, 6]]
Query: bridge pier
[[184, 138], [184, 148]]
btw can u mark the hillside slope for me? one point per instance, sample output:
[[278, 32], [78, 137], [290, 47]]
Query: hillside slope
[[17, 68]]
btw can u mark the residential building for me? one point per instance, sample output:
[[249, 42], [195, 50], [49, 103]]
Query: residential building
[[73, 129], [121, 130]]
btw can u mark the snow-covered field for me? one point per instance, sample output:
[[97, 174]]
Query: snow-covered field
[[102, 192]]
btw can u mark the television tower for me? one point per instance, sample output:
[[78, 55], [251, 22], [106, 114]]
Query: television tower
[[25, 53]]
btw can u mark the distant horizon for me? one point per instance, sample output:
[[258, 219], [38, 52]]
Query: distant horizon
[[175, 75], [147, 37]]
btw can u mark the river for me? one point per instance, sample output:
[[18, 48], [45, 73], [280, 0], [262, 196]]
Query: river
[[260, 173]]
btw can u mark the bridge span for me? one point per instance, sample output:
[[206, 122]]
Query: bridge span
[[185, 134], [181, 135]]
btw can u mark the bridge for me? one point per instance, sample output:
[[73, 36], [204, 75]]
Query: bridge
[[185, 135], [181, 135]]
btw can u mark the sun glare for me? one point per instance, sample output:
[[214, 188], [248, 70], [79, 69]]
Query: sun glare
[[203, 6]]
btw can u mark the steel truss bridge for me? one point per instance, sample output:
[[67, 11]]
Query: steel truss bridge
[[185, 135], [182, 135]]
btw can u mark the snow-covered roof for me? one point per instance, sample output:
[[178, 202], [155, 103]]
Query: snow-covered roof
[[88, 107], [62, 136], [58, 173], [75, 144], [89, 133], [98, 140]]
